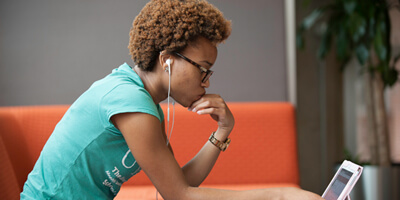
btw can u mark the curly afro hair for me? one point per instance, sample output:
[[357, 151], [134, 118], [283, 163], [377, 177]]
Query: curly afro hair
[[171, 25]]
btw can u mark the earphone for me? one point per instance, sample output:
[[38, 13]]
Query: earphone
[[168, 69], [168, 62]]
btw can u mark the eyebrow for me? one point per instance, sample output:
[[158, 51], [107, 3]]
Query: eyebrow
[[205, 61]]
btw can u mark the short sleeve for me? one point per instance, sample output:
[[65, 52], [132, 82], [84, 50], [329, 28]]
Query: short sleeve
[[161, 112], [126, 98]]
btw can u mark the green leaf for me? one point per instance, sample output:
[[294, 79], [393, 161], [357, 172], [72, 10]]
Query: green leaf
[[357, 26], [349, 6], [379, 44], [306, 24], [343, 63], [362, 54], [371, 22], [311, 19], [393, 75], [342, 45], [390, 77], [325, 43], [387, 31]]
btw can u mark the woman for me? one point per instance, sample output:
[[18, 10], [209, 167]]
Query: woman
[[174, 45]]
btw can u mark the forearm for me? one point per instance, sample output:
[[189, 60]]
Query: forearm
[[209, 193], [197, 169], [265, 194]]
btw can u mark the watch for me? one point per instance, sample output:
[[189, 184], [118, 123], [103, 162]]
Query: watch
[[221, 145]]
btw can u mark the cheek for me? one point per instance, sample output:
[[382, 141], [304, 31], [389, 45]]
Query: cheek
[[185, 87], [188, 78]]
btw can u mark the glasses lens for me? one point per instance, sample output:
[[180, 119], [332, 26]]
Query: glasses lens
[[208, 74]]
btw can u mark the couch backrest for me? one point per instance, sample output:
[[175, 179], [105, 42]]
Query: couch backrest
[[24, 131], [263, 147], [9, 185]]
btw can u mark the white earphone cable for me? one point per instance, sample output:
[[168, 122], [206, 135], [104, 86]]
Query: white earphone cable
[[169, 132], [173, 113], [173, 121], [169, 94]]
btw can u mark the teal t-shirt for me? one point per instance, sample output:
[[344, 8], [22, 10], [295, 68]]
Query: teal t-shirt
[[86, 157]]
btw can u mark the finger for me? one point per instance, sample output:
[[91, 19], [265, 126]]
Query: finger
[[201, 105], [204, 98], [213, 103], [196, 103], [211, 111]]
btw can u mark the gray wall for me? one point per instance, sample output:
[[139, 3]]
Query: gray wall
[[51, 51]]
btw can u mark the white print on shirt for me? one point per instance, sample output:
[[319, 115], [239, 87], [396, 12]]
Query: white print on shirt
[[124, 158], [108, 184], [119, 176], [114, 175], [113, 179]]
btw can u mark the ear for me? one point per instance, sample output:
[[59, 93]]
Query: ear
[[163, 60]]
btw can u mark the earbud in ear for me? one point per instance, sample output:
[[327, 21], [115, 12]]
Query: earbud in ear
[[169, 65]]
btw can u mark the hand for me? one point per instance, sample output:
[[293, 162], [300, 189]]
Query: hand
[[216, 107]]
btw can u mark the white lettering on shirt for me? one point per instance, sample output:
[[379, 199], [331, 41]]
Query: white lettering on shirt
[[124, 158], [108, 184], [118, 175]]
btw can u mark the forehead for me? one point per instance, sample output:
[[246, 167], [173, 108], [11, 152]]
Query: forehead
[[201, 48]]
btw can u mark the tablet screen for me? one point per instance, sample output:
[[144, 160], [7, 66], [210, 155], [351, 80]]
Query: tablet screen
[[338, 185]]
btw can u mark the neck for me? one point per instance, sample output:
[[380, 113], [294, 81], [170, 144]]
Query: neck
[[153, 83]]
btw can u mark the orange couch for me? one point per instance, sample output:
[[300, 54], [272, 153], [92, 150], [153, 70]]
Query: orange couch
[[263, 151]]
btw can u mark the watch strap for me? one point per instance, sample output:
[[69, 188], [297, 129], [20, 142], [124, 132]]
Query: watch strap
[[221, 145]]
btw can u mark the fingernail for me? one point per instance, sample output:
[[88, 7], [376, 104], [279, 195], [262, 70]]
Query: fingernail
[[189, 109], [194, 110], [199, 112]]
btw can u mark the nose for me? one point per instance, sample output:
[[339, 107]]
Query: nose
[[206, 84]]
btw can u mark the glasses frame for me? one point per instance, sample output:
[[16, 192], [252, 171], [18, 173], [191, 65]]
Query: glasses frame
[[202, 69]]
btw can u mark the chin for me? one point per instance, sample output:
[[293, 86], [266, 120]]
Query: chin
[[184, 104]]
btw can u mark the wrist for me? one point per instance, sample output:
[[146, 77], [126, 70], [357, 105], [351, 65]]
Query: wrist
[[222, 134]]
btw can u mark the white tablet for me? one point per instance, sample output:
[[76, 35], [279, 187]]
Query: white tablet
[[343, 181]]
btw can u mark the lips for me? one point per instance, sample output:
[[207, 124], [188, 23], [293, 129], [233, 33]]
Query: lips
[[199, 97]]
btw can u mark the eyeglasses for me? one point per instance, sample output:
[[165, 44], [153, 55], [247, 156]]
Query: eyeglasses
[[202, 69]]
